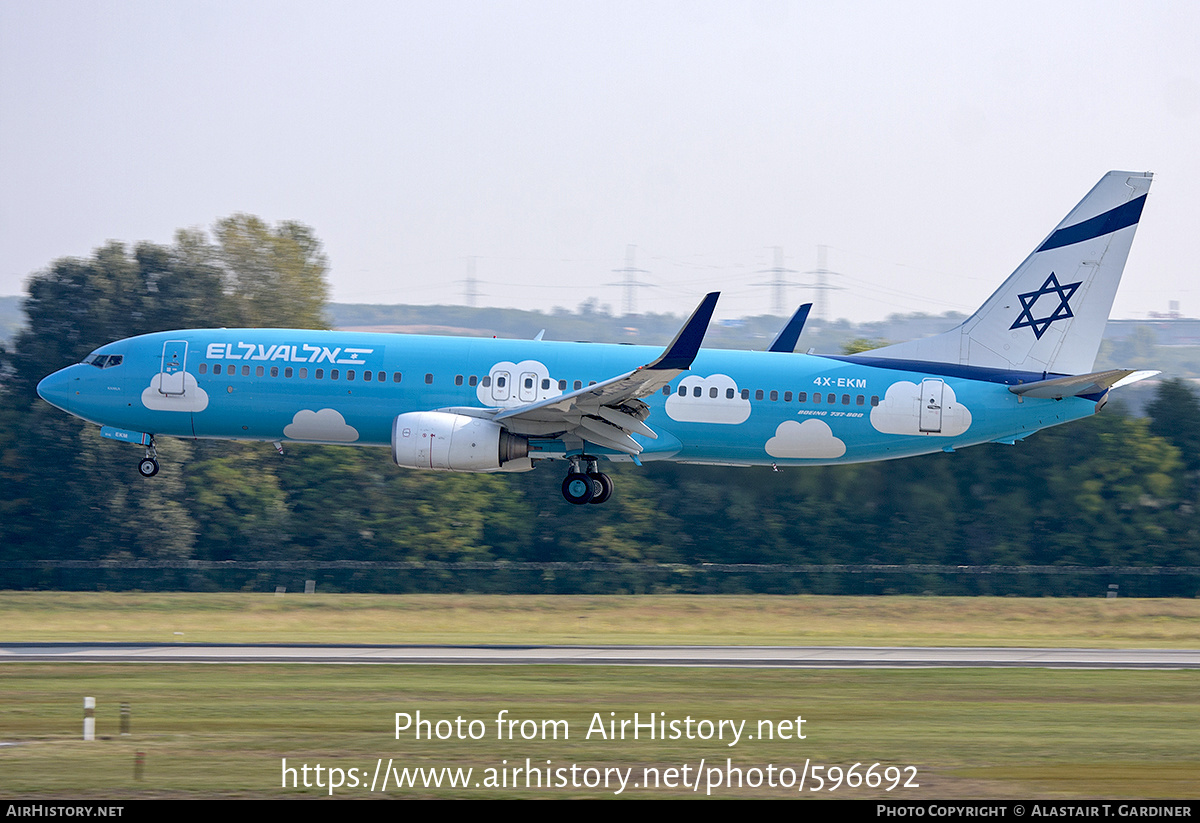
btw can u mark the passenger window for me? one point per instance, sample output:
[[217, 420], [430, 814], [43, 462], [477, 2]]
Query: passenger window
[[287, 372], [204, 368], [758, 395], [545, 384], [874, 400], [578, 385], [258, 371], [712, 392], [487, 381], [349, 374], [217, 368], [274, 371], [529, 382], [382, 376], [333, 374], [729, 394], [500, 381], [845, 400], [429, 379], [562, 385], [696, 391], [320, 374], [304, 374], [816, 397], [787, 397], [858, 401], [472, 380], [832, 398], [395, 377], [666, 390], [245, 370], [801, 397], [367, 375], [774, 396], [458, 379], [745, 394]]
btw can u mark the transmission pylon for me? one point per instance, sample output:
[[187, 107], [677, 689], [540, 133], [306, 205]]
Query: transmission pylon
[[778, 283], [822, 286], [471, 293], [631, 284]]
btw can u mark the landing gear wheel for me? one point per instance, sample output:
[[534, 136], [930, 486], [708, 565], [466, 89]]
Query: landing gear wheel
[[578, 488], [148, 467], [604, 487]]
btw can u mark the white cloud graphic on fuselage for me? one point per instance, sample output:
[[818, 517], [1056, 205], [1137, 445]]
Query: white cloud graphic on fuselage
[[811, 439], [900, 412], [326, 425], [193, 399], [687, 408], [513, 391]]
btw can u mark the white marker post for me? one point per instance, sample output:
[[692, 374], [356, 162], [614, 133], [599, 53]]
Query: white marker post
[[89, 718]]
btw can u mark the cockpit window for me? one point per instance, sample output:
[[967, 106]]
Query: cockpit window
[[103, 361]]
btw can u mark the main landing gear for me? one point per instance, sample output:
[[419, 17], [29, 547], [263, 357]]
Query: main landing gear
[[590, 487], [148, 467]]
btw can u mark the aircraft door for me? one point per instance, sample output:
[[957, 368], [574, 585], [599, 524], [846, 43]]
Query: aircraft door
[[501, 385], [931, 404], [174, 366], [527, 388]]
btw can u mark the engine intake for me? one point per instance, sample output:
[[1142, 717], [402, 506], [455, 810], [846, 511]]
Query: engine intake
[[457, 443]]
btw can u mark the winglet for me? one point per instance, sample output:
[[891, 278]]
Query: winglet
[[682, 351], [786, 339]]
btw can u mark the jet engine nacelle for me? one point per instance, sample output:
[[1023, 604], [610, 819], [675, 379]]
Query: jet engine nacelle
[[457, 443]]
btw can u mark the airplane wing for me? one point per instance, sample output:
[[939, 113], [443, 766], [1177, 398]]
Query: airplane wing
[[1057, 388], [607, 413]]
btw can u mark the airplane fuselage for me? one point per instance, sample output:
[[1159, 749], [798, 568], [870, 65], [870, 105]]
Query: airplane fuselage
[[731, 407]]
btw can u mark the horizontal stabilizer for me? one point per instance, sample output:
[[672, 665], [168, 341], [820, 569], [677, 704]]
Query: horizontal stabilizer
[[786, 339], [1079, 385]]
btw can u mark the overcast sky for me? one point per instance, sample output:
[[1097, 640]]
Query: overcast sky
[[930, 146]]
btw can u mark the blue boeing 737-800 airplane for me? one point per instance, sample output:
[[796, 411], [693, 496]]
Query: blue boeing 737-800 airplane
[[1021, 363]]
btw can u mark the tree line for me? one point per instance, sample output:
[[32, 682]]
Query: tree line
[[1113, 490]]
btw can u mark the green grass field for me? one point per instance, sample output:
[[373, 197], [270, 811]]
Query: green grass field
[[661, 619], [223, 730]]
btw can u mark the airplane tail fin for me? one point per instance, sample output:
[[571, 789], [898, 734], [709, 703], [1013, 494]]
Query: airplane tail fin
[[1050, 314]]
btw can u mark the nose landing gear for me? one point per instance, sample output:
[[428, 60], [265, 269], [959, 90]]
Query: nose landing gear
[[591, 486], [148, 467]]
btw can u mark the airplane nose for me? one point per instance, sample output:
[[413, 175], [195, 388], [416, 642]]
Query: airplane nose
[[56, 389]]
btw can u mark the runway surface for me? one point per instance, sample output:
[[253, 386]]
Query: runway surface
[[727, 656]]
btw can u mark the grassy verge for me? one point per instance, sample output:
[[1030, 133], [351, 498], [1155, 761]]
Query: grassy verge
[[222, 731], [668, 619]]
